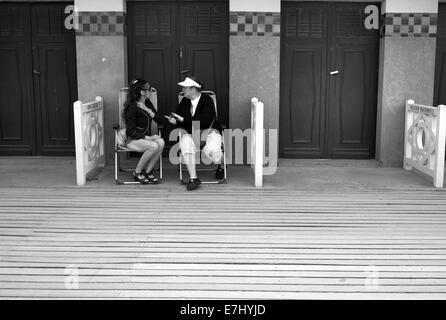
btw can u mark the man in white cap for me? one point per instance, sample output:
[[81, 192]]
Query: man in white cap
[[196, 106]]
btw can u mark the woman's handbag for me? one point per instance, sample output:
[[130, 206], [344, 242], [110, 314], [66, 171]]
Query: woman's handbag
[[122, 137]]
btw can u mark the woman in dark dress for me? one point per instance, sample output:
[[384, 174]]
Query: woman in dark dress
[[138, 115]]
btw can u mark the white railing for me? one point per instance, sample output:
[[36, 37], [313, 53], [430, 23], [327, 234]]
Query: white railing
[[424, 140], [89, 133], [257, 143]]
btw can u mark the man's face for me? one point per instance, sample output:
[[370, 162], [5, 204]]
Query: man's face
[[188, 92]]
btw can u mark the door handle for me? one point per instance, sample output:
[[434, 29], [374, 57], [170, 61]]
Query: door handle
[[36, 72], [334, 72], [184, 71]]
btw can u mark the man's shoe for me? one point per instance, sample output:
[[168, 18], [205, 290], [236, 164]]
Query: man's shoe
[[193, 184], [220, 173]]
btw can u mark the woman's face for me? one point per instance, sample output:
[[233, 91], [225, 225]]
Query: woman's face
[[145, 92]]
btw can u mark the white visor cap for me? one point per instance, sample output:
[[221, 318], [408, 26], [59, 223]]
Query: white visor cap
[[188, 82]]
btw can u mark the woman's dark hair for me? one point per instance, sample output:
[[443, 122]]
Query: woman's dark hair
[[199, 82], [133, 94]]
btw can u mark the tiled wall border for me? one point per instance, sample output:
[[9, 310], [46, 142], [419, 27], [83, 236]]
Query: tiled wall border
[[263, 24], [407, 25], [101, 24], [254, 24]]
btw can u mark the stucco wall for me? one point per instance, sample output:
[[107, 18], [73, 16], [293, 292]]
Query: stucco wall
[[102, 71], [407, 71], [254, 72], [100, 5], [255, 5], [254, 55], [409, 68], [410, 6]]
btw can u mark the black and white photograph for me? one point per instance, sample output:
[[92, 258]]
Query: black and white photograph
[[222, 154]]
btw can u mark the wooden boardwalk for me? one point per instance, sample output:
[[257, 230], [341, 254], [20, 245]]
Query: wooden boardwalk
[[143, 242]]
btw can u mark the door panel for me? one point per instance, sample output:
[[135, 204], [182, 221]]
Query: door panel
[[352, 97], [352, 113], [15, 133], [56, 95], [305, 102], [16, 101], [54, 79], [440, 75], [302, 84], [440, 63], [352, 102], [329, 71]]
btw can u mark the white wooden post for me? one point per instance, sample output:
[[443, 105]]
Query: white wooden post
[[439, 155], [80, 168], [257, 143], [408, 124]]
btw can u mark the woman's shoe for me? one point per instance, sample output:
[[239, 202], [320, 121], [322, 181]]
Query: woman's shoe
[[150, 177], [140, 177]]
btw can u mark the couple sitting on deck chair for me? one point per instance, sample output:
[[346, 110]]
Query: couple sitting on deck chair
[[194, 106]]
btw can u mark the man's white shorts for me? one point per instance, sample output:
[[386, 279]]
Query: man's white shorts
[[212, 149]]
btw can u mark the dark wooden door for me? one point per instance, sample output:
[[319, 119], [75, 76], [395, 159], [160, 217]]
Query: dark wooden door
[[38, 80], [17, 130], [303, 84], [329, 69], [351, 108], [55, 82], [168, 41], [440, 61]]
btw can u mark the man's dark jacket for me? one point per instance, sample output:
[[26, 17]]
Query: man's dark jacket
[[205, 113]]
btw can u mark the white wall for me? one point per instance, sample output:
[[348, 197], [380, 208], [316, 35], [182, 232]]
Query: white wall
[[255, 5], [100, 5], [410, 6]]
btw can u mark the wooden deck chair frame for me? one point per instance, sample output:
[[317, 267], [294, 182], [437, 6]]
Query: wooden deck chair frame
[[214, 99], [120, 149]]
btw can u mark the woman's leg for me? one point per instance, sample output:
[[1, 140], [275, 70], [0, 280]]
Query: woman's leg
[[149, 149], [156, 155]]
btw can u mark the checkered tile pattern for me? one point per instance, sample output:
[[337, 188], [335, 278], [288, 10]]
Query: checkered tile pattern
[[254, 24], [409, 25], [101, 24]]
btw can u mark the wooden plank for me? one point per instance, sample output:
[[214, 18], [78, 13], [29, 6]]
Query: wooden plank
[[226, 295], [19, 274], [68, 250], [58, 280], [226, 287], [153, 254], [28, 262]]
